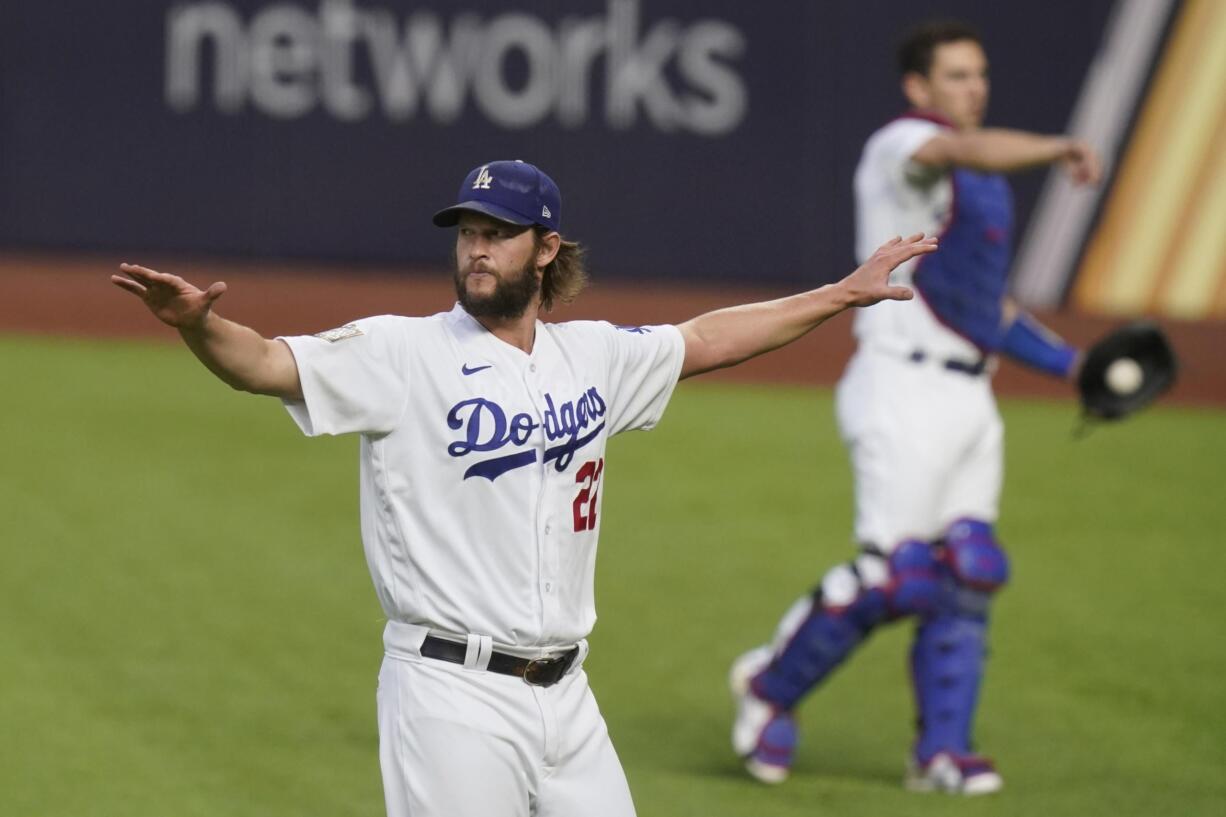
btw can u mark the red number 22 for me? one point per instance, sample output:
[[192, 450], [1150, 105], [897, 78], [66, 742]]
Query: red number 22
[[585, 503]]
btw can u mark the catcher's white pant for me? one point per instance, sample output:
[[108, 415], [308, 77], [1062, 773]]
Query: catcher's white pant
[[925, 444], [464, 742]]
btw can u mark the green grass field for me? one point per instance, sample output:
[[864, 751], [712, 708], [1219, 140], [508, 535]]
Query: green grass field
[[187, 626]]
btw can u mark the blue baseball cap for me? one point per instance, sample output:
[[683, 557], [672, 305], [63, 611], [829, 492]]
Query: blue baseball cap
[[515, 192]]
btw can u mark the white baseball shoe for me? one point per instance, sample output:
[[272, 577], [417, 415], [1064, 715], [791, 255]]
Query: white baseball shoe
[[955, 774], [762, 734]]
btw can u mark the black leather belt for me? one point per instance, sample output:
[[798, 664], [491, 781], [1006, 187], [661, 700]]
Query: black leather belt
[[541, 672], [967, 367]]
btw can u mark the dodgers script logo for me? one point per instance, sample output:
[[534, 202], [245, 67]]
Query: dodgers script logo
[[487, 428]]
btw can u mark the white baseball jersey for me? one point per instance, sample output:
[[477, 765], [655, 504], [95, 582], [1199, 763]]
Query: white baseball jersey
[[897, 196], [481, 465], [925, 440]]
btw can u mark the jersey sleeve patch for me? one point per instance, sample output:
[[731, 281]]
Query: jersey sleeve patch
[[339, 333]]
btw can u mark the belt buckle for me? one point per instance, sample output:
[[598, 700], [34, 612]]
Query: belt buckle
[[545, 672], [536, 672]]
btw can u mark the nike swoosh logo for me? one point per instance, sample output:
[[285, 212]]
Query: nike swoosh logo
[[466, 370]]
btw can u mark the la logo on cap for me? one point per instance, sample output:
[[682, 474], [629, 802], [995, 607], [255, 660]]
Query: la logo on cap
[[483, 179]]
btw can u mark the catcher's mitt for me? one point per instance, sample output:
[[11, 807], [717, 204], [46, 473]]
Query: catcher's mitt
[[1125, 370]]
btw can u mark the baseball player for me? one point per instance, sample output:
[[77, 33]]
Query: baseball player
[[482, 461], [916, 411]]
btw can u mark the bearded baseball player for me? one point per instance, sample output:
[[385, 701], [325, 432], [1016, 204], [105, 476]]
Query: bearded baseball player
[[482, 449], [916, 410]]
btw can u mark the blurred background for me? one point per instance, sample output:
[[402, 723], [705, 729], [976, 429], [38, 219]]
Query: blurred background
[[707, 145]]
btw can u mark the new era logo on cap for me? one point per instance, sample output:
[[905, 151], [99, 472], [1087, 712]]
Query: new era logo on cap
[[512, 191]]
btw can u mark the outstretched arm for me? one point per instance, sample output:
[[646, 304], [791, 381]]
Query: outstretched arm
[[236, 354], [1029, 342], [730, 336], [999, 150]]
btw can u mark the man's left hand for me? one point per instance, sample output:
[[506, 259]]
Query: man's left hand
[[1082, 163], [870, 282]]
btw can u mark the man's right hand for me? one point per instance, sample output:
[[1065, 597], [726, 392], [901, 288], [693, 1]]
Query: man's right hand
[[174, 301], [235, 353]]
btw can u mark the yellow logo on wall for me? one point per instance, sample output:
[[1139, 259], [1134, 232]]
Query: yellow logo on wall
[[1160, 247]]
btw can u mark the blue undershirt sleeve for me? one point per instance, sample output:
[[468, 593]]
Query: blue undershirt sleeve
[[1028, 341]]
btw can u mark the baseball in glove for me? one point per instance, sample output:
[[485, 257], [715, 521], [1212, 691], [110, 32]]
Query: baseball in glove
[[1125, 371]]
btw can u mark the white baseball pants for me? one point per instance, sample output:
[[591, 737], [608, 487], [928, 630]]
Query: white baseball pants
[[465, 742], [926, 446]]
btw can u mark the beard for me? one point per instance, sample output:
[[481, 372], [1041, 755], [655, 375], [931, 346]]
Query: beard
[[509, 299]]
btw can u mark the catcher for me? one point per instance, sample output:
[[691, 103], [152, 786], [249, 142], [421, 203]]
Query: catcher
[[916, 410]]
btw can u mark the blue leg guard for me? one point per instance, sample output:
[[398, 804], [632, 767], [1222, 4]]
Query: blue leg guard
[[947, 657], [821, 644], [851, 601]]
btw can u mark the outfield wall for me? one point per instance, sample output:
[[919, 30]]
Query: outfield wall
[[72, 296], [692, 140]]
